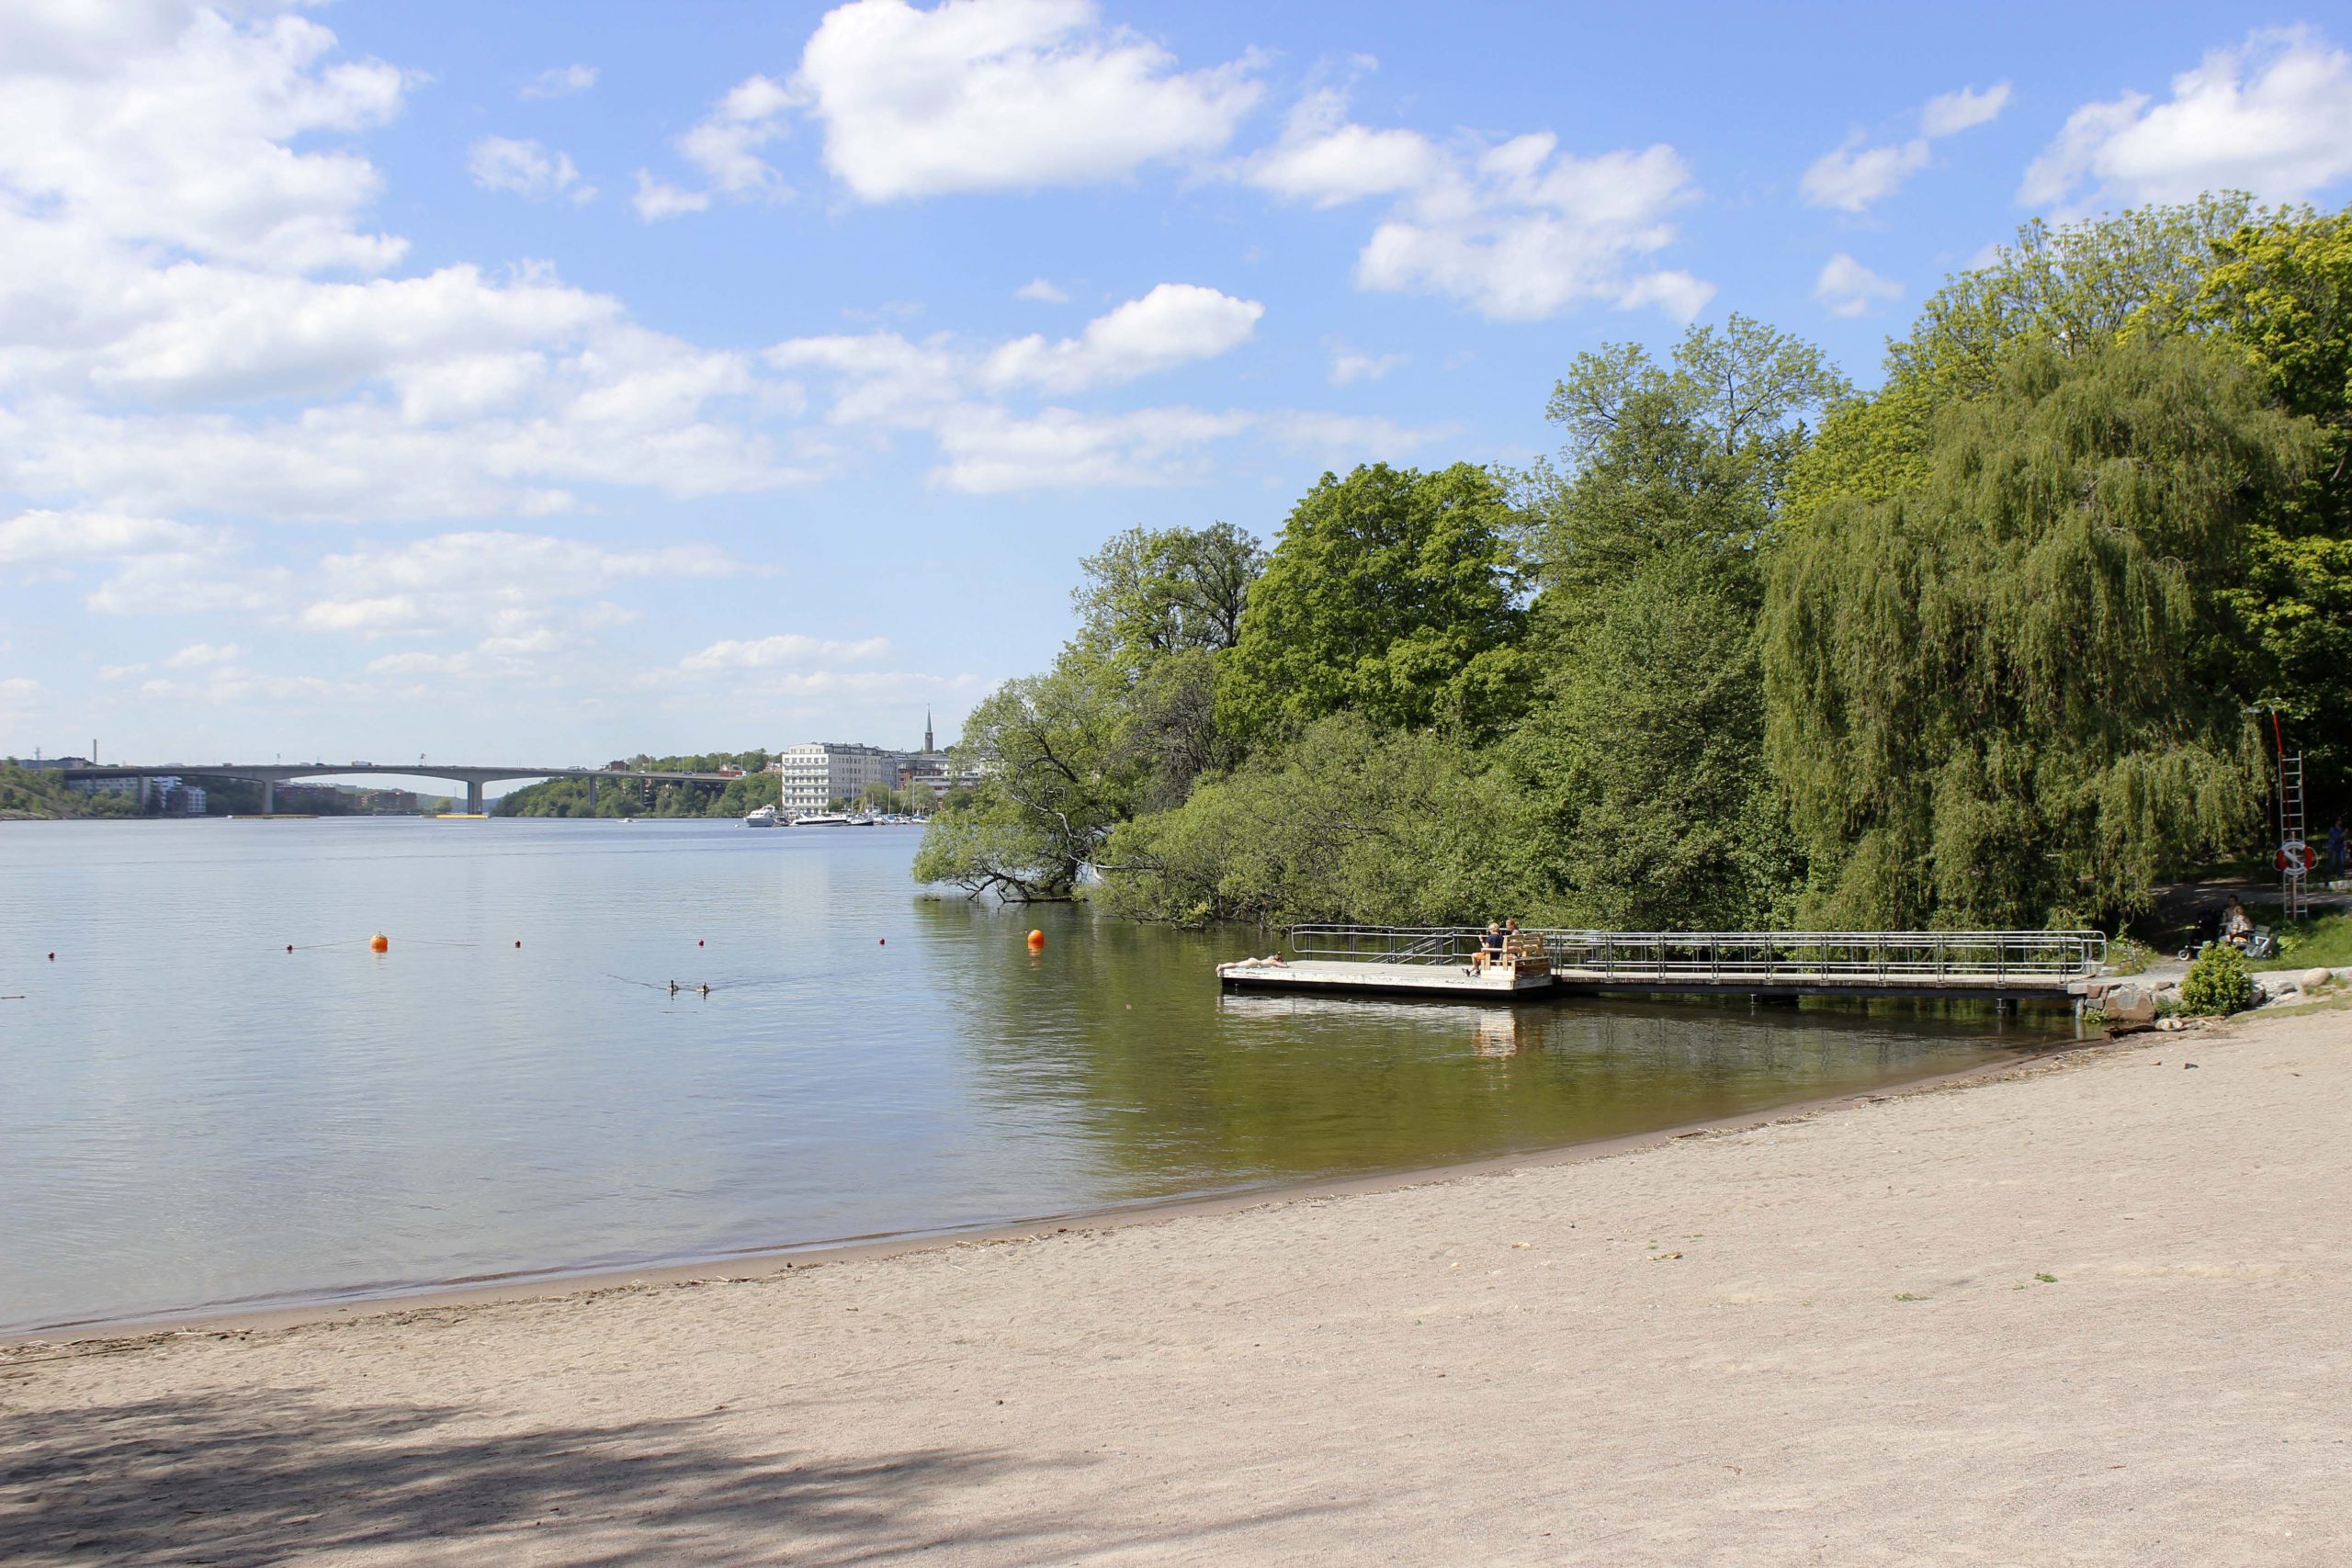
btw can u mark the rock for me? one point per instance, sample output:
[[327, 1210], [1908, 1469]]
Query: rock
[[2314, 978], [2129, 1004]]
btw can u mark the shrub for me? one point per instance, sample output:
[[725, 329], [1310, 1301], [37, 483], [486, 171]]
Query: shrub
[[2219, 982]]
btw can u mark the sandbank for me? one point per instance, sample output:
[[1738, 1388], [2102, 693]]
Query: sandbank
[[2092, 1309]]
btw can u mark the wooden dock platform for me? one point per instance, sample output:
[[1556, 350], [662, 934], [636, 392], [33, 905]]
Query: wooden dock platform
[[1434, 961], [1394, 979]]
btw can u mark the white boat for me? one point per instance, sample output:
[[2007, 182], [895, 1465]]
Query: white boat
[[822, 820], [764, 816]]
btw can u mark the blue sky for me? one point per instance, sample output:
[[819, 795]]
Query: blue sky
[[551, 382]]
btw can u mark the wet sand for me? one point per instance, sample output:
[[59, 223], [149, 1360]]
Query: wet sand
[[1819, 1338]]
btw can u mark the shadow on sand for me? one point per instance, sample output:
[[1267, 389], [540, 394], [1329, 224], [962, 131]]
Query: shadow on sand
[[265, 1477]]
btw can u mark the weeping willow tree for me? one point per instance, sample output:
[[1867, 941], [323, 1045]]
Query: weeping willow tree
[[2011, 695]]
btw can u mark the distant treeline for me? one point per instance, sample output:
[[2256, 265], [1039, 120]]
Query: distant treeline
[[36, 793], [1996, 644], [642, 797]]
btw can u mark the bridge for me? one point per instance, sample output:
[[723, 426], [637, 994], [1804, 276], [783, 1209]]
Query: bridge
[[269, 775], [1999, 966]]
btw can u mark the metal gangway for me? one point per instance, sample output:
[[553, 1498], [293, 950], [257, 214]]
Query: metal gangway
[[2002, 965]]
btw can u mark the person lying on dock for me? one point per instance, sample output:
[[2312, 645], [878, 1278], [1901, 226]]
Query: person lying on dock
[[1271, 960]]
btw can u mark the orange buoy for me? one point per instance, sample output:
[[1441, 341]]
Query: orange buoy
[[379, 942], [1036, 942]]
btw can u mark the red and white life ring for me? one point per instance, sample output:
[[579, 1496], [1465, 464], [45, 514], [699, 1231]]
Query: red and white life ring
[[2296, 857]]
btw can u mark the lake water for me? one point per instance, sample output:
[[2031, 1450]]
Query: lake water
[[193, 1118]]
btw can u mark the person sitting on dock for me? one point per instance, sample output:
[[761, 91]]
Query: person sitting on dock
[[1490, 948]]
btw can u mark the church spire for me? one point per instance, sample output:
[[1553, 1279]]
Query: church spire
[[927, 746]]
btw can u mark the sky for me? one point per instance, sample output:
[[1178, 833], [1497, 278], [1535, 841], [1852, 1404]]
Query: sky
[[553, 382]]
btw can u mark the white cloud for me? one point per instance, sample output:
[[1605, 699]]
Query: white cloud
[[724, 145], [1041, 292], [993, 95], [788, 650], [1349, 366], [560, 82], [169, 260], [990, 451], [1174, 324], [1852, 176], [529, 169], [1324, 159], [47, 537], [1522, 233], [2272, 117], [201, 655], [656, 199], [1519, 231], [1961, 108], [186, 144], [1849, 288]]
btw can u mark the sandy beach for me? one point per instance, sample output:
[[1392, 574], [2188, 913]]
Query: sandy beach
[[2093, 1310]]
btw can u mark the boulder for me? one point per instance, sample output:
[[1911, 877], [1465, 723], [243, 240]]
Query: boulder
[[2129, 1004], [2314, 978]]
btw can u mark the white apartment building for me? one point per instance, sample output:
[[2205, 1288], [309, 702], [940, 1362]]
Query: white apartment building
[[815, 773]]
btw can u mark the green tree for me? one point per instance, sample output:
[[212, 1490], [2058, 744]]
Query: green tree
[[1641, 791], [1057, 773], [1347, 821], [1393, 594], [1148, 593], [2281, 292], [2071, 289], [1994, 698]]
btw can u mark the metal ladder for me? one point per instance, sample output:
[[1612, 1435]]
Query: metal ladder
[[2291, 883]]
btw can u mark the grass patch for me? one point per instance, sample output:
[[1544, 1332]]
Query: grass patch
[[1907, 1296], [2306, 944]]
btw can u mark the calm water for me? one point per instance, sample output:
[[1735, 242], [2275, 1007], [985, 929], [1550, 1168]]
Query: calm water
[[192, 1117]]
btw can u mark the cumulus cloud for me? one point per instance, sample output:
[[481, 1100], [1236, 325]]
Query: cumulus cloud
[[1324, 159], [1961, 108], [47, 537], [560, 82], [724, 146], [1854, 176], [2272, 115], [1349, 366], [1174, 324], [1520, 230], [788, 650], [1041, 292], [201, 655], [656, 199], [994, 94], [184, 253], [1849, 288], [525, 168]]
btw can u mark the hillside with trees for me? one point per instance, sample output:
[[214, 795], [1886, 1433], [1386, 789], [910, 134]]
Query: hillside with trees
[[619, 798], [1998, 644]]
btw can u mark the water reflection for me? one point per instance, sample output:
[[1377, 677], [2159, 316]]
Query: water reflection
[[196, 1115]]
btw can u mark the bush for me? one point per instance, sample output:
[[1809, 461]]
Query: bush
[[2219, 982]]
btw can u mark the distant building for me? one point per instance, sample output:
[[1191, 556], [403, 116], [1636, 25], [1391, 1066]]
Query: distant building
[[815, 773]]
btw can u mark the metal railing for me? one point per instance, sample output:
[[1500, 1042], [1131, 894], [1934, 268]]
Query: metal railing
[[1743, 958]]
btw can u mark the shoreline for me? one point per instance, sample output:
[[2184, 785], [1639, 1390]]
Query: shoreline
[[766, 1262], [2084, 1306]]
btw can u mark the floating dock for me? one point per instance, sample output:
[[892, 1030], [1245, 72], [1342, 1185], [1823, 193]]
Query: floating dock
[[1435, 962], [1395, 979]]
